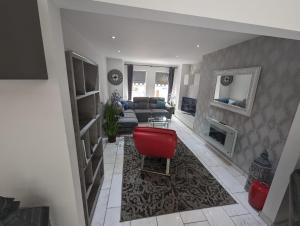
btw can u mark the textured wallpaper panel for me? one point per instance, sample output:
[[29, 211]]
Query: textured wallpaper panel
[[276, 101]]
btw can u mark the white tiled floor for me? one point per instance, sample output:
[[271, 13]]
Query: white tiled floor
[[107, 212]]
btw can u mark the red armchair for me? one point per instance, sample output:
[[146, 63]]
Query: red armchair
[[155, 142]]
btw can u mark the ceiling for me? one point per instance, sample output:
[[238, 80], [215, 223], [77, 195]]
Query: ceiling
[[147, 41]]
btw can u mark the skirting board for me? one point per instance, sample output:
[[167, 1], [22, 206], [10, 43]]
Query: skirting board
[[266, 219]]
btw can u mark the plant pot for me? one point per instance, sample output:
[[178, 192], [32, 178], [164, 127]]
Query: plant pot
[[111, 139]]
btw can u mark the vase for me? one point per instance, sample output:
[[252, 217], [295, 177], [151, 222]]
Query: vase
[[111, 139]]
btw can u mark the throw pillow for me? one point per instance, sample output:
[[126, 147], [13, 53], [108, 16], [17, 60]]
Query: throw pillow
[[160, 104], [7, 206], [125, 104]]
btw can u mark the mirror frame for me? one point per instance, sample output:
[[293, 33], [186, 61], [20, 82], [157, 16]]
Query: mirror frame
[[255, 72]]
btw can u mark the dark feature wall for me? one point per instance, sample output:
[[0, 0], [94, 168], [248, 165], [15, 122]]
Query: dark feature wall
[[276, 101], [21, 44]]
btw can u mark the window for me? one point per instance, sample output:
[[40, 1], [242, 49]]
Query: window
[[161, 85], [138, 84]]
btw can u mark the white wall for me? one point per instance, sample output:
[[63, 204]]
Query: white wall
[[114, 63], [73, 40], [287, 164], [273, 18], [37, 164]]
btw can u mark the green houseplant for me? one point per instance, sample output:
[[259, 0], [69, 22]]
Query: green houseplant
[[111, 113]]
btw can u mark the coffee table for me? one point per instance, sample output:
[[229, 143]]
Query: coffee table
[[159, 122]]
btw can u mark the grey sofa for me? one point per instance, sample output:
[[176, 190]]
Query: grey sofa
[[141, 109]]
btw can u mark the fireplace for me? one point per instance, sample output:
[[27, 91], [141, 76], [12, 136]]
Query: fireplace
[[217, 134], [220, 135]]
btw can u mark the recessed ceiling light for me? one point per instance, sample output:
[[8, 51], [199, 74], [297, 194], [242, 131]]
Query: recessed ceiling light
[[198, 46], [119, 51], [113, 37]]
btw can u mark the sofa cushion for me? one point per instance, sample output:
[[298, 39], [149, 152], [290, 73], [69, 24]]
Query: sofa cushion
[[160, 104], [160, 112], [143, 114], [127, 122], [129, 115], [130, 105], [129, 111], [153, 100], [141, 99], [141, 105], [152, 106]]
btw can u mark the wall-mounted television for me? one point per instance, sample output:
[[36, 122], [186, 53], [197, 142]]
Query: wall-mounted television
[[188, 105], [22, 51]]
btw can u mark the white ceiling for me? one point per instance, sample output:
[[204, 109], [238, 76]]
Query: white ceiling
[[150, 41]]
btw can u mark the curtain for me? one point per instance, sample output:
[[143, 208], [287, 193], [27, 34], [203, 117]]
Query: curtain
[[130, 75], [171, 80]]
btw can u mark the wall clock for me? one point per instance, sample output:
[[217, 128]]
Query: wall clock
[[226, 80], [115, 77]]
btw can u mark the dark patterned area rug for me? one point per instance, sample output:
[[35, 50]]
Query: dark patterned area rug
[[189, 187]]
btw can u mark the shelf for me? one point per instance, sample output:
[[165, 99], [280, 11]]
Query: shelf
[[96, 145], [94, 177], [96, 158], [95, 190], [86, 126], [87, 109], [91, 76], [87, 145], [89, 177], [94, 133], [78, 76], [78, 97]]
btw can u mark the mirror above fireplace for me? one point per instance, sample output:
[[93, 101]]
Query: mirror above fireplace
[[235, 89]]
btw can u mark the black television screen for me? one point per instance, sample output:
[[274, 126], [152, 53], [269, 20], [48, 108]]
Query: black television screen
[[189, 105], [22, 51]]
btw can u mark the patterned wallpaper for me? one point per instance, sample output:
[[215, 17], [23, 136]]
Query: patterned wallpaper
[[276, 101]]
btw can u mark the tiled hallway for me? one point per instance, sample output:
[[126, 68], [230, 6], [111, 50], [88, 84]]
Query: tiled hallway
[[107, 212]]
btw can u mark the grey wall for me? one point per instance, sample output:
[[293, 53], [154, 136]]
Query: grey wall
[[276, 101], [190, 90]]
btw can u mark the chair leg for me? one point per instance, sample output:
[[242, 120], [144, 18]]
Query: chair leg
[[168, 167], [142, 165]]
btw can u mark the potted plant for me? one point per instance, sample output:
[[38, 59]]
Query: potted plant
[[111, 113]]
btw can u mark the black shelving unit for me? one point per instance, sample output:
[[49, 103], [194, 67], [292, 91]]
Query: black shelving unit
[[87, 119]]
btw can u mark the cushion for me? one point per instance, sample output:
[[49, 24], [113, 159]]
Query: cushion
[[124, 104], [160, 104], [127, 122], [141, 105], [152, 105], [129, 115], [153, 100], [130, 105], [143, 114], [141, 99], [128, 111], [7, 206]]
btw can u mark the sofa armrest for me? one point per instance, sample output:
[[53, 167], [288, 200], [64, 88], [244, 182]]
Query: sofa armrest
[[170, 108]]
